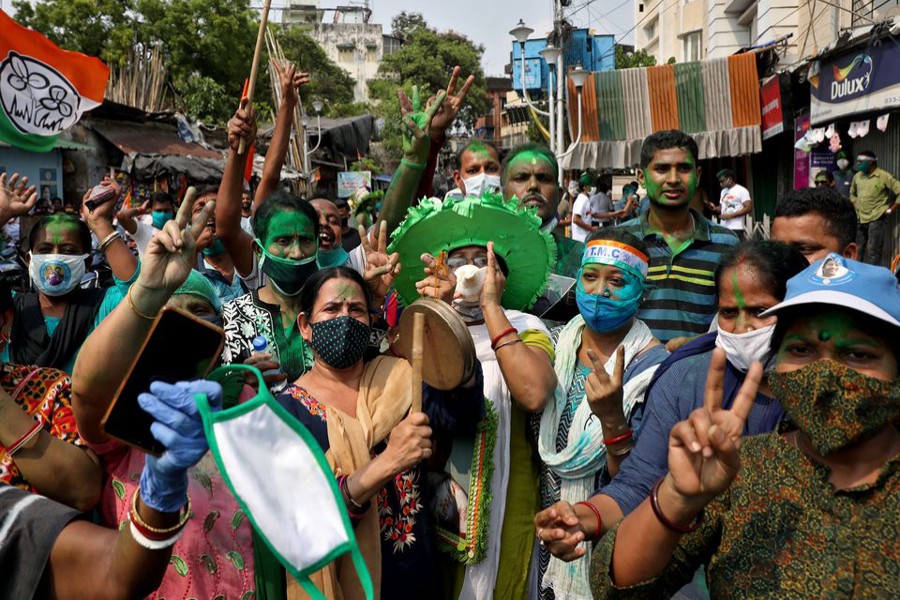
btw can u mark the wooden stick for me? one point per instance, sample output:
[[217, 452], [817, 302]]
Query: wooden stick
[[418, 354], [254, 69]]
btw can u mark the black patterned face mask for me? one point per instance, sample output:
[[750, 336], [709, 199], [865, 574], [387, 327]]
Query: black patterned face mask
[[835, 405], [340, 342]]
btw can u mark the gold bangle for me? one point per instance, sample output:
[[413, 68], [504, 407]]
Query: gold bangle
[[136, 517], [135, 308]]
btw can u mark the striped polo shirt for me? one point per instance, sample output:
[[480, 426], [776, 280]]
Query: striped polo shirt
[[682, 299]]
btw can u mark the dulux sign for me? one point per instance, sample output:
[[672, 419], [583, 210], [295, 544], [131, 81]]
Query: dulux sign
[[866, 80]]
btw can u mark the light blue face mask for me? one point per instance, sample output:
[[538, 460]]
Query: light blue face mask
[[299, 513], [332, 258], [601, 312]]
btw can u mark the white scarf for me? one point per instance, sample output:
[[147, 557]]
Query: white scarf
[[579, 462], [481, 577]]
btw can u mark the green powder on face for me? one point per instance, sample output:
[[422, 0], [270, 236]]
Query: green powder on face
[[738, 296], [61, 232], [289, 224]]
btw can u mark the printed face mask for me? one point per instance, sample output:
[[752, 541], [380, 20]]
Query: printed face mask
[[56, 274], [478, 184], [743, 349], [340, 342], [161, 217], [332, 258], [835, 405], [299, 513], [287, 275]]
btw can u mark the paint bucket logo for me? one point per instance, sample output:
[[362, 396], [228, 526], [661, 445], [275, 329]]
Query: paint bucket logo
[[853, 79], [36, 98]]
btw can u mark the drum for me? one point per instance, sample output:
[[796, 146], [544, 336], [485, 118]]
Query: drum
[[449, 352]]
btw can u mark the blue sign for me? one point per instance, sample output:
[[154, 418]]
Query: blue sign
[[863, 81], [590, 52]]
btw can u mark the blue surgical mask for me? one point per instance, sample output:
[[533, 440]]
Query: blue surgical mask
[[216, 249], [332, 258], [603, 313], [161, 217]]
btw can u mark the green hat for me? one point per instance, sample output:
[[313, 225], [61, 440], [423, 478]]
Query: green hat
[[435, 226], [197, 285]]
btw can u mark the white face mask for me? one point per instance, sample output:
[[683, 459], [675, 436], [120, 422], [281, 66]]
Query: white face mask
[[743, 349], [478, 184], [56, 274], [843, 163], [300, 513]]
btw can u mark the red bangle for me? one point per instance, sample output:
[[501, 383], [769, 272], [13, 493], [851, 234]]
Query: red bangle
[[596, 512], [619, 438], [654, 503], [25, 437], [501, 336]]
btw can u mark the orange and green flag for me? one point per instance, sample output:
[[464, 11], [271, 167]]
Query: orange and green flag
[[43, 89]]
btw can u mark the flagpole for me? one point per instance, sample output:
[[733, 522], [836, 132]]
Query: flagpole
[[254, 69]]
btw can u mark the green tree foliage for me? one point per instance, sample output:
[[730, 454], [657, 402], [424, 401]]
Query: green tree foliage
[[626, 59], [329, 82], [426, 60], [207, 44]]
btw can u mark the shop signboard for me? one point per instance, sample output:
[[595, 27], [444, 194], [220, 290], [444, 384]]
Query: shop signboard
[[772, 109], [864, 80], [349, 182]]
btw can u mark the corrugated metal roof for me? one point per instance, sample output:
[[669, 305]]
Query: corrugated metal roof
[[60, 145], [146, 138]]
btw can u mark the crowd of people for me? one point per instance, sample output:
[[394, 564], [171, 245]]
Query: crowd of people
[[661, 404]]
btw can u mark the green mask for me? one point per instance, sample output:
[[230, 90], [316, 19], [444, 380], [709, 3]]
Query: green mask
[[287, 275], [217, 249]]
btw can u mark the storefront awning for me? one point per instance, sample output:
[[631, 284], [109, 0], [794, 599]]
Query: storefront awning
[[715, 100], [150, 139], [60, 144]]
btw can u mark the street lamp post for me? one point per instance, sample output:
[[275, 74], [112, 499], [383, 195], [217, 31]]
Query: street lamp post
[[521, 33], [578, 76], [551, 54]]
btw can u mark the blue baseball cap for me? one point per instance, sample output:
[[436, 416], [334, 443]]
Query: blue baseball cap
[[848, 283]]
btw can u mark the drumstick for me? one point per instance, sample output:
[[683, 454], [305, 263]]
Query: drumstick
[[418, 353], [254, 68]]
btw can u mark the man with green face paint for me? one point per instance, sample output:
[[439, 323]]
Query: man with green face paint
[[871, 192], [685, 247]]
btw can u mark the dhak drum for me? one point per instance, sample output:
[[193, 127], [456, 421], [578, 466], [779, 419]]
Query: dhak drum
[[448, 349]]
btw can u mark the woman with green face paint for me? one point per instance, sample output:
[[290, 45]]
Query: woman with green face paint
[[811, 511], [286, 243]]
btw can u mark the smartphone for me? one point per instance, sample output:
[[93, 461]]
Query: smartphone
[[100, 194], [179, 347]]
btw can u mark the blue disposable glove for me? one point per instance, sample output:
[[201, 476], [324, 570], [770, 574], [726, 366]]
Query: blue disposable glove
[[177, 426]]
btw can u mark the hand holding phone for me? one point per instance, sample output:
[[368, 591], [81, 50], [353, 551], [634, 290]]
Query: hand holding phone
[[100, 194]]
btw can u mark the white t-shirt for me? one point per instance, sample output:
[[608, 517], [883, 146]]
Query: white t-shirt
[[582, 208], [731, 201], [142, 236]]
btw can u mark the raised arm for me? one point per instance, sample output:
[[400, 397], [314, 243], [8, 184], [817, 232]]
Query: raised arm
[[121, 261], [228, 206], [107, 353], [271, 178], [126, 216]]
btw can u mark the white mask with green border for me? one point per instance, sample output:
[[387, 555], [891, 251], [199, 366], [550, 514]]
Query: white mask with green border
[[300, 514]]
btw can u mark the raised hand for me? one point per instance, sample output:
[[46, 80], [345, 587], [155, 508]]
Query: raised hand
[[604, 391], [104, 212], [416, 138], [290, 80], [560, 531], [704, 450], [409, 443], [494, 280], [381, 268], [17, 198], [172, 253], [439, 282], [242, 125], [449, 108]]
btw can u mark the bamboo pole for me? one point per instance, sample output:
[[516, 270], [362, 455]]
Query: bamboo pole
[[416, 360], [254, 68]]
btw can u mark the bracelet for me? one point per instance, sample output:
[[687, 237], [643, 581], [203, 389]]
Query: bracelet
[[596, 512], [502, 334], [412, 165], [509, 343], [619, 438], [135, 308], [155, 532], [355, 507], [26, 437], [151, 544], [108, 240], [654, 502], [621, 452]]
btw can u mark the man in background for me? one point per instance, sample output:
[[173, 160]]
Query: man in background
[[873, 192]]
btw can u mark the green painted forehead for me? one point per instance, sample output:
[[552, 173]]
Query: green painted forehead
[[530, 158], [60, 231], [289, 224]]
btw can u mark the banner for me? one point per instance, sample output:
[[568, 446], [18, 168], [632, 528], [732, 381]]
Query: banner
[[772, 109], [349, 182], [43, 89], [863, 81]]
